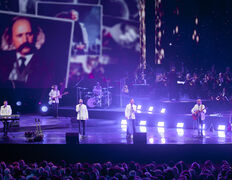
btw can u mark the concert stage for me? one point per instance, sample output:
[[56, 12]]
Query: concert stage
[[107, 126]]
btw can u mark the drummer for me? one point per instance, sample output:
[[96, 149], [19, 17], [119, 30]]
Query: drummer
[[97, 90]]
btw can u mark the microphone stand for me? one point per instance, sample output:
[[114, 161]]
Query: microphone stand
[[78, 92]]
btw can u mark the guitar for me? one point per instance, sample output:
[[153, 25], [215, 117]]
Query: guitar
[[53, 98], [196, 114]]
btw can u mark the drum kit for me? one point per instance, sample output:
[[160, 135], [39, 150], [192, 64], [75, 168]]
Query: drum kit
[[99, 97]]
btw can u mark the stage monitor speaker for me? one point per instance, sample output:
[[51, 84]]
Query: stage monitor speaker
[[140, 138], [72, 138]]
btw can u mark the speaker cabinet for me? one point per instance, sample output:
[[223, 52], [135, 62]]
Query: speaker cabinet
[[140, 138]]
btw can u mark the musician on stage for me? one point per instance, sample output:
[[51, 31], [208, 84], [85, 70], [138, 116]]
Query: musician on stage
[[199, 112], [54, 96], [82, 116], [5, 109], [97, 90], [130, 116]]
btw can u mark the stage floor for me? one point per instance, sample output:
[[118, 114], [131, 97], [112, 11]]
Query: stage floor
[[105, 131]]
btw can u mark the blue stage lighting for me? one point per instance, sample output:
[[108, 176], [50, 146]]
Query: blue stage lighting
[[44, 109], [18, 103]]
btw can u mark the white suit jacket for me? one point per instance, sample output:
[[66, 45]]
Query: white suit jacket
[[6, 110], [82, 112], [54, 94], [199, 108], [130, 111]]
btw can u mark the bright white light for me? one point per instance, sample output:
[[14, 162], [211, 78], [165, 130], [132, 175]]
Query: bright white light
[[143, 123], [124, 127], [143, 129], [163, 110], [203, 126], [151, 108], [180, 132], [139, 107], [180, 125], [123, 122], [163, 140], [180, 82], [160, 124], [221, 127], [19, 103], [221, 134], [44, 108], [161, 131], [151, 140], [138, 111]]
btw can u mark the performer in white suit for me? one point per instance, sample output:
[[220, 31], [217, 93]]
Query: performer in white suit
[[199, 112], [5, 109], [54, 96], [130, 116], [82, 115]]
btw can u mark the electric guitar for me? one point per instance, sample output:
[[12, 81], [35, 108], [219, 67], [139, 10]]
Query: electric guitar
[[197, 113], [51, 99]]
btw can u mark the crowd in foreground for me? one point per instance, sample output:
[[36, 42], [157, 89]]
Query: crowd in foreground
[[115, 171]]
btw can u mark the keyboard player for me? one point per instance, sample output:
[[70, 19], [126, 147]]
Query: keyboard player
[[5, 109]]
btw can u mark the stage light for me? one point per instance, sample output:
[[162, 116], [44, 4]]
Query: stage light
[[163, 110], [123, 122], [44, 109], [150, 108], [160, 124], [139, 107], [221, 127], [180, 125], [139, 111], [180, 132], [143, 129], [221, 134], [124, 127], [18, 103], [163, 140], [151, 140], [143, 123], [160, 130], [203, 126]]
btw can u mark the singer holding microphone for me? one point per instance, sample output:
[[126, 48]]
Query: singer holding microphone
[[130, 116], [82, 116]]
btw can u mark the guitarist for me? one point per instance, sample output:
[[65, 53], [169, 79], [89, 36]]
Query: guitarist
[[54, 96], [198, 112]]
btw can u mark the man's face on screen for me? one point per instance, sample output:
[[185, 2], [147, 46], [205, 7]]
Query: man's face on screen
[[22, 36]]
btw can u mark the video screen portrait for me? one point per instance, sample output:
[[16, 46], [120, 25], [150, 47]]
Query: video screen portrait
[[34, 51], [87, 28]]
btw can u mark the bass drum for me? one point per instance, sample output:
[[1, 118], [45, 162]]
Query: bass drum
[[91, 102]]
